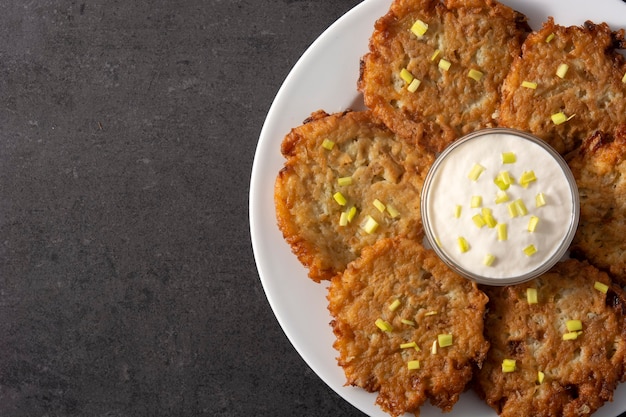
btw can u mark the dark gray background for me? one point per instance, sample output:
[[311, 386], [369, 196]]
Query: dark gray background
[[127, 281]]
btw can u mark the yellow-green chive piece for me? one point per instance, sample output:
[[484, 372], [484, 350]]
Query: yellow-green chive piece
[[419, 28], [463, 244], [475, 172], [540, 377], [562, 70], [509, 157], [527, 177], [558, 118], [508, 365], [476, 201], [328, 144], [444, 340], [532, 223], [489, 259], [394, 305], [379, 205], [531, 296], [512, 207], [603, 288], [501, 231], [521, 207], [490, 221], [408, 345], [570, 336], [624, 78], [475, 74], [457, 211], [412, 365], [540, 200], [501, 197], [408, 322], [530, 250], [393, 213], [435, 55], [413, 85], [343, 219], [343, 181], [549, 38], [529, 84], [574, 325], [430, 313], [369, 225], [340, 199], [406, 75], [383, 325], [351, 213], [444, 64], [479, 221]]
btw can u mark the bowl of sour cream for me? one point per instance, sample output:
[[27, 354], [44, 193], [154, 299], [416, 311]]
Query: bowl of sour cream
[[500, 206]]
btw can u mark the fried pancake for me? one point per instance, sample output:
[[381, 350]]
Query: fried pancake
[[579, 374], [434, 299], [599, 167], [382, 169], [591, 91], [478, 35]]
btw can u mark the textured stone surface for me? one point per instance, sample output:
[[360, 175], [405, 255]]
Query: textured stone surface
[[127, 281]]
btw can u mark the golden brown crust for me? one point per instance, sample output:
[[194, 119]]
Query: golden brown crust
[[482, 35], [580, 374], [599, 167], [591, 90], [382, 167], [401, 269]]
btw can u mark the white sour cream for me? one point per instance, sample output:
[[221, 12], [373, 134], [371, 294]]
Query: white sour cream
[[448, 186]]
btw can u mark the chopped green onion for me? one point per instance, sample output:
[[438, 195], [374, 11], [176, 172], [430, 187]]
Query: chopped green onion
[[574, 325], [490, 221], [558, 118], [383, 325], [419, 28], [340, 199], [392, 211], [343, 219], [408, 345], [406, 75], [603, 288], [430, 313], [509, 157], [412, 365], [444, 340], [512, 207], [351, 213], [529, 84], [501, 197], [475, 74], [562, 70], [526, 178], [570, 336], [476, 201], [444, 64], [408, 322], [489, 259], [369, 225], [521, 207], [328, 144], [343, 181], [413, 85], [463, 245], [394, 305], [540, 200], [457, 211], [479, 221], [532, 223], [475, 172], [435, 54], [501, 230], [549, 38], [530, 250], [508, 365], [433, 348], [540, 377], [379, 205], [531, 296]]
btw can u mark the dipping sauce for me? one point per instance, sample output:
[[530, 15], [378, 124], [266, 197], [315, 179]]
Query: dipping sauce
[[500, 206]]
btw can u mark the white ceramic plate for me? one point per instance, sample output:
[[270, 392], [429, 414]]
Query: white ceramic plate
[[325, 78]]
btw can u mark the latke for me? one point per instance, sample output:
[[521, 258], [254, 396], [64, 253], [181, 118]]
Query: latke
[[382, 170], [599, 167], [429, 300], [481, 36], [580, 370], [587, 95]]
